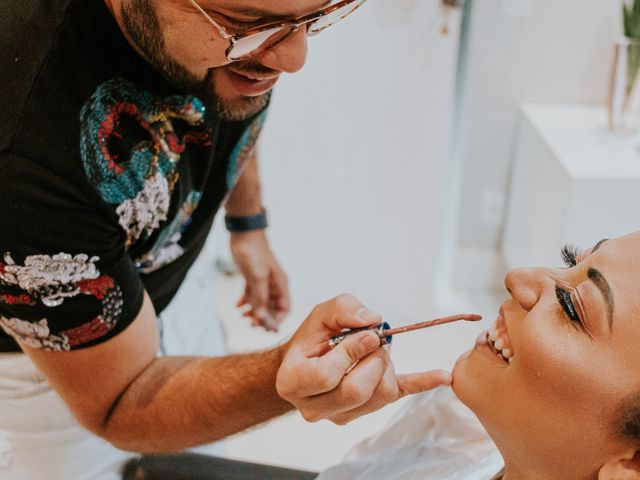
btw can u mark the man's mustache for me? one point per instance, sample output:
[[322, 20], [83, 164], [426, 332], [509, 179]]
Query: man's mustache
[[253, 68]]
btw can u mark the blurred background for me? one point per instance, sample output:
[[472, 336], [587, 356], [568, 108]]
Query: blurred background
[[427, 147]]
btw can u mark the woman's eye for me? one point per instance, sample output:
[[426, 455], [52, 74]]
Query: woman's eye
[[564, 298]]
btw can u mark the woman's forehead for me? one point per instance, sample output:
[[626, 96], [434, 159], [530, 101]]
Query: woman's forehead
[[625, 249], [618, 260]]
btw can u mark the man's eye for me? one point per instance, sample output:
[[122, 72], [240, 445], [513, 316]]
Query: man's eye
[[564, 298], [235, 23], [241, 24]]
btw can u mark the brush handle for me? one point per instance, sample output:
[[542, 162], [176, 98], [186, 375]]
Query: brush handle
[[336, 339]]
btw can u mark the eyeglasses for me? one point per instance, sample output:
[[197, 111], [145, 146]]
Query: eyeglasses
[[258, 39]]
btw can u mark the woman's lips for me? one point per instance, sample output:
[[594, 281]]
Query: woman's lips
[[250, 87], [500, 335], [496, 343], [483, 346]]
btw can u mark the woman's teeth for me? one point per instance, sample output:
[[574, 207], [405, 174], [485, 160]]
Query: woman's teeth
[[499, 345]]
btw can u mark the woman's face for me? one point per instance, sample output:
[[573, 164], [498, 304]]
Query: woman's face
[[573, 335]]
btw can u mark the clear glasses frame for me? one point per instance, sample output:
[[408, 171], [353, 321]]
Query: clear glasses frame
[[258, 39]]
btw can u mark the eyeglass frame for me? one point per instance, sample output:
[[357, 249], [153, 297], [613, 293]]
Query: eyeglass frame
[[294, 22]]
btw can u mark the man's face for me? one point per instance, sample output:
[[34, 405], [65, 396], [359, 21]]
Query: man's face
[[573, 336], [180, 42]]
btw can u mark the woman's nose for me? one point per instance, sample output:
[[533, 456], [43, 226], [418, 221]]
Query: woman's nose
[[289, 55], [526, 285]]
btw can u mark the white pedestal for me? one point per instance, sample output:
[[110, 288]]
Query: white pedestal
[[573, 181]]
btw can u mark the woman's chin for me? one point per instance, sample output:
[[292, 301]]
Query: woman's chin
[[470, 384], [460, 375]]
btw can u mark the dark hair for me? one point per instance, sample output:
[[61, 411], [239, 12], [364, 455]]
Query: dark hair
[[629, 419]]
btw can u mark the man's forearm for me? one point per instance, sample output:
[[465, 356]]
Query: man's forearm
[[180, 402], [246, 196]]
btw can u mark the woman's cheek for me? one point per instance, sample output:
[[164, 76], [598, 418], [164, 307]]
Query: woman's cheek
[[557, 368]]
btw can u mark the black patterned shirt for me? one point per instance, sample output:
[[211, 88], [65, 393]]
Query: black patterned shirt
[[109, 177]]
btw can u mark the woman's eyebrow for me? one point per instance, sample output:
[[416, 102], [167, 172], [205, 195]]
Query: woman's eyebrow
[[596, 277], [598, 245]]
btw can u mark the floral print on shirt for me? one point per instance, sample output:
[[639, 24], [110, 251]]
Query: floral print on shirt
[[51, 280]]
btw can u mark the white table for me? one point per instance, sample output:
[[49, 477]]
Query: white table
[[572, 181]]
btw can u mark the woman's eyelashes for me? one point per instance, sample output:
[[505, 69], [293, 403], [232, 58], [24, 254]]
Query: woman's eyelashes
[[566, 302], [570, 255]]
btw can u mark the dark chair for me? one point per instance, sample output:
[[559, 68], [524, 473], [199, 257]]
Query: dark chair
[[190, 466]]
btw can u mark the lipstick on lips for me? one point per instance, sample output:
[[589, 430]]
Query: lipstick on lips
[[497, 341], [386, 333]]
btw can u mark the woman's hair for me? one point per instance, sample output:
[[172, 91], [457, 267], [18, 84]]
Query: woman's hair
[[629, 419]]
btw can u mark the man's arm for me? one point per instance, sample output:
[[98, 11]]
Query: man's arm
[[246, 197], [266, 291], [123, 393]]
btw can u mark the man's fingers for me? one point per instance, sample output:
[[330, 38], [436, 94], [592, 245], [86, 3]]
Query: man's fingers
[[356, 389], [386, 391], [280, 297], [391, 389], [344, 312], [351, 350], [277, 312], [244, 299], [259, 294], [384, 395], [317, 375], [419, 382]]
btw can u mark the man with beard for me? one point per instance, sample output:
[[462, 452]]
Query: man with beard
[[124, 125]]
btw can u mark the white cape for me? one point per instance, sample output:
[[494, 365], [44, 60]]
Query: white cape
[[434, 436]]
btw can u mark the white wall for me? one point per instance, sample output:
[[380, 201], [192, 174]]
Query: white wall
[[353, 157], [561, 52]]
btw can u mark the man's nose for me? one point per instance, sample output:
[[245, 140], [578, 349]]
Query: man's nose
[[289, 55], [527, 284]]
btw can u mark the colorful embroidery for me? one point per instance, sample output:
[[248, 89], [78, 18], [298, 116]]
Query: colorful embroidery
[[34, 334], [130, 148], [145, 212], [52, 280], [166, 248], [86, 332], [23, 299], [243, 149]]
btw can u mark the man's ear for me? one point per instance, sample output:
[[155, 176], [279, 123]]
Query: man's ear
[[623, 467]]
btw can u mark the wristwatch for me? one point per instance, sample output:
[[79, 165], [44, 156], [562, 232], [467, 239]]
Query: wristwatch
[[247, 223]]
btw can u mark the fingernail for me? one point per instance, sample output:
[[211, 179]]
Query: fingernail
[[370, 341], [367, 316], [269, 322]]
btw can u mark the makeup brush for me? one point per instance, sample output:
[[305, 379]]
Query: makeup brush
[[385, 332]]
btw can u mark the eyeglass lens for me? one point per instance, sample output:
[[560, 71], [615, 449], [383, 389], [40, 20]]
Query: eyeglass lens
[[246, 46], [327, 20]]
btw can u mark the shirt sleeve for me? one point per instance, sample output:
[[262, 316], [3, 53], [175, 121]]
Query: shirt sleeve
[[66, 280]]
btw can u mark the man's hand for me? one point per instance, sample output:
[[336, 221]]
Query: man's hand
[[266, 292], [354, 378]]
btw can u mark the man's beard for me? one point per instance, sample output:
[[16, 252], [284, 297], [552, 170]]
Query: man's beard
[[142, 25]]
